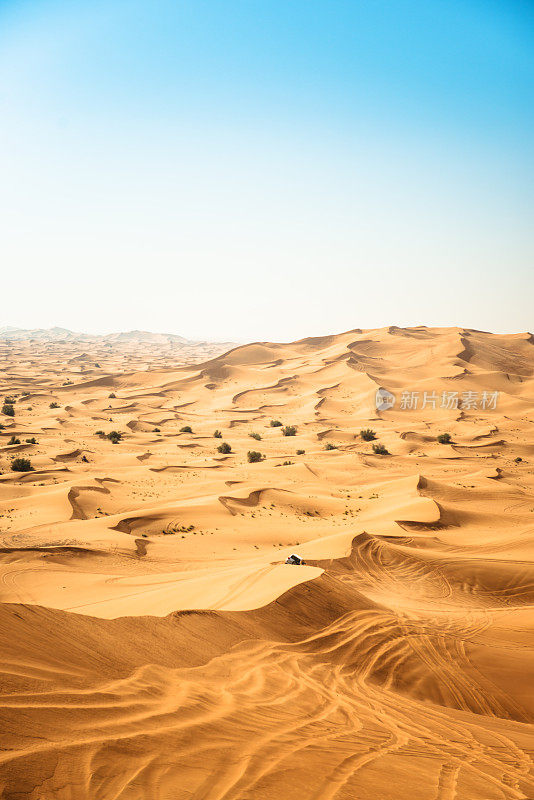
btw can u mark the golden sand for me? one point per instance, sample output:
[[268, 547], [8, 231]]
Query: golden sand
[[154, 645]]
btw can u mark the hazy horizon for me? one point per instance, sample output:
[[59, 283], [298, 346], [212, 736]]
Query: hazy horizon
[[110, 332]]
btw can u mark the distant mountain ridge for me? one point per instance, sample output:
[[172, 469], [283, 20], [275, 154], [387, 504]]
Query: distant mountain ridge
[[56, 334]]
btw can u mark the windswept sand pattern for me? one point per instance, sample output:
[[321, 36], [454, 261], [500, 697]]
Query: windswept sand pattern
[[155, 646]]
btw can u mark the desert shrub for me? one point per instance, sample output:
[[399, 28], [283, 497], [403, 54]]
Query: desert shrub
[[300, 452], [186, 429], [287, 463], [217, 434], [54, 405], [444, 438], [380, 450], [224, 448], [253, 456], [21, 465], [2, 427], [367, 435], [9, 400], [112, 396], [33, 440], [255, 436], [518, 459], [157, 430], [14, 440], [114, 436], [275, 423], [289, 430], [99, 433], [330, 446], [8, 410]]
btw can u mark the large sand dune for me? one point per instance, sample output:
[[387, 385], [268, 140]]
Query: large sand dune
[[154, 645]]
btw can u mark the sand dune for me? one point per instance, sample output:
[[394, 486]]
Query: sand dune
[[155, 645]]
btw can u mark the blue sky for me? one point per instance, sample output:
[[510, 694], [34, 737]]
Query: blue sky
[[267, 170]]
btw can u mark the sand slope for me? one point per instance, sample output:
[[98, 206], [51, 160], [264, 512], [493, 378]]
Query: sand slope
[[154, 644]]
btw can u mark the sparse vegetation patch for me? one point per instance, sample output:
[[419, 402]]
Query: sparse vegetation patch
[[113, 436], [380, 450], [289, 430], [21, 465]]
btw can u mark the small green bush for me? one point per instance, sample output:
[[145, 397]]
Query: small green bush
[[114, 436], [186, 429], [255, 436], [224, 448], [330, 446], [9, 400], [253, 456], [54, 405], [112, 396], [157, 430], [14, 440], [275, 423], [8, 410], [33, 440], [99, 433], [380, 450], [217, 434], [367, 435], [300, 452], [518, 459], [21, 465], [444, 438], [289, 430], [287, 463]]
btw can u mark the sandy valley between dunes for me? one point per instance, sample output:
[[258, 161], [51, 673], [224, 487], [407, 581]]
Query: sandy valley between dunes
[[154, 645]]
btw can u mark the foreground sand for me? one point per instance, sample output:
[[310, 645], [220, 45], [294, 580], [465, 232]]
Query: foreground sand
[[153, 643]]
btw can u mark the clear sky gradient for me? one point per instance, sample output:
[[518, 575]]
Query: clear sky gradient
[[266, 169]]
